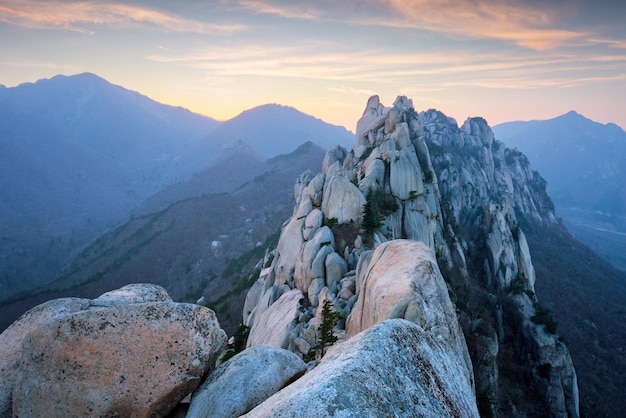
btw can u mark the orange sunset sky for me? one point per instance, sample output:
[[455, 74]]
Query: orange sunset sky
[[503, 60]]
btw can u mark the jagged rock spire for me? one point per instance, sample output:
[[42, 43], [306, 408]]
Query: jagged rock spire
[[419, 179]]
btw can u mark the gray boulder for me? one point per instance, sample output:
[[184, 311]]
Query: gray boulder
[[245, 381], [406, 175], [313, 255], [393, 369], [336, 267], [312, 223], [342, 199], [372, 119], [288, 250], [275, 324]]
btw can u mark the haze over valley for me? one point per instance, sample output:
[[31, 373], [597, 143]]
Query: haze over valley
[[79, 154]]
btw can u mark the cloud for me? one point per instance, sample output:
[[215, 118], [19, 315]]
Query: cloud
[[349, 69], [517, 22], [349, 90], [37, 64], [293, 10], [613, 43], [84, 16]]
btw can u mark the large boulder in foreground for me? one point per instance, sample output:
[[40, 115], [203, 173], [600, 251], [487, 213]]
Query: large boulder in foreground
[[394, 368], [12, 338], [402, 280], [126, 356], [245, 381]]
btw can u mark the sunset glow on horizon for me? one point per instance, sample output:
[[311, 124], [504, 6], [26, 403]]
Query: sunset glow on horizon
[[507, 60]]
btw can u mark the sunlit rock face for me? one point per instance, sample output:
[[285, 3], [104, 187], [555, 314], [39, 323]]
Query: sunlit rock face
[[417, 196], [402, 280], [12, 338], [131, 351]]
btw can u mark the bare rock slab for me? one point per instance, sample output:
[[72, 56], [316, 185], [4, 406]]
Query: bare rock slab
[[402, 280], [278, 320], [393, 369]]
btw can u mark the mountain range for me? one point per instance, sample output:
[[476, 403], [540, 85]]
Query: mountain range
[[205, 235], [79, 154], [583, 162]]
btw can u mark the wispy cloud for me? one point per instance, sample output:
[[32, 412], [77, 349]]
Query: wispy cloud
[[375, 66], [515, 21], [613, 43], [293, 10], [512, 21], [84, 17], [22, 64]]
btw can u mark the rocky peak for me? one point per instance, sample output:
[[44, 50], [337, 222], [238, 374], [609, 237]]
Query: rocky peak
[[373, 232]]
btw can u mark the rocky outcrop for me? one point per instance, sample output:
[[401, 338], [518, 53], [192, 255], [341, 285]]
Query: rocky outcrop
[[402, 280], [551, 363], [342, 200], [245, 381], [392, 369], [129, 352], [279, 320], [508, 262], [407, 252], [353, 242]]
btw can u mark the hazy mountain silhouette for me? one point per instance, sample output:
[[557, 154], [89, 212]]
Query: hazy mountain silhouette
[[273, 129], [584, 163], [190, 238], [78, 153]]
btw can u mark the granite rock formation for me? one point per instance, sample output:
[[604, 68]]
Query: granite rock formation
[[435, 200], [394, 368], [403, 278]]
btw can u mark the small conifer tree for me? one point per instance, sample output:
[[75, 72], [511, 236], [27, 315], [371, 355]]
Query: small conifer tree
[[325, 335], [238, 343], [372, 220], [325, 329]]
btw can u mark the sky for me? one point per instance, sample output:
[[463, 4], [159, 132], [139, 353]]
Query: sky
[[502, 60]]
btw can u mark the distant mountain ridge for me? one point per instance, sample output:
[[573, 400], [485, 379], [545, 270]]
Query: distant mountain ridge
[[567, 148], [78, 153], [273, 129], [584, 163]]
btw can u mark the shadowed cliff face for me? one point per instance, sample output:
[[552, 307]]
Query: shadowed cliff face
[[455, 202]]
